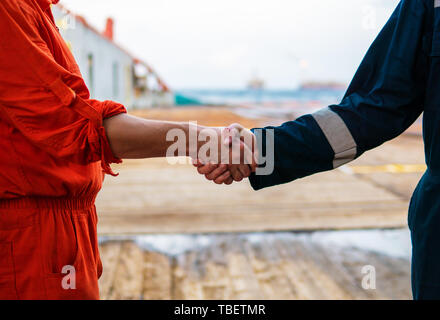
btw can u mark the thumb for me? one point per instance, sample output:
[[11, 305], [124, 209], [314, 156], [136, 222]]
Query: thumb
[[233, 132]]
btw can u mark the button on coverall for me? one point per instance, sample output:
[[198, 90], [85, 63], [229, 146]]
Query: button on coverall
[[53, 156], [398, 79]]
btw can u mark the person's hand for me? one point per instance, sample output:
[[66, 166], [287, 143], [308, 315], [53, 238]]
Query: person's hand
[[238, 163]]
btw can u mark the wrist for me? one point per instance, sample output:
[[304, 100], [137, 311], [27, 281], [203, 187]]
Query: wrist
[[193, 145]]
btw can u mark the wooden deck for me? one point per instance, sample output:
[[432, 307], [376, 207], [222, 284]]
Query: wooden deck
[[153, 196], [233, 268]]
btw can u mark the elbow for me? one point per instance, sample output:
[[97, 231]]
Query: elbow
[[112, 128]]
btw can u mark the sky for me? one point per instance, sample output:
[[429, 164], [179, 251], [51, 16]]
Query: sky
[[198, 44]]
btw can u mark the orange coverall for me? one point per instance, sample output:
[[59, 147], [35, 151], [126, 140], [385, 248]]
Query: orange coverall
[[53, 156]]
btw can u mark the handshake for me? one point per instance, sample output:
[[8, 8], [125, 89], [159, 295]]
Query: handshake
[[231, 156]]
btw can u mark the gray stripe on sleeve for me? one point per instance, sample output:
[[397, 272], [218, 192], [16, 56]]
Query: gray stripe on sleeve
[[436, 3], [338, 136]]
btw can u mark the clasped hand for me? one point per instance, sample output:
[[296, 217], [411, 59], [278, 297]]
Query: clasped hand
[[236, 160]]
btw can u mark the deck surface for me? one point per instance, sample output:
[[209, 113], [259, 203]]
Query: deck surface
[[152, 196], [233, 268]]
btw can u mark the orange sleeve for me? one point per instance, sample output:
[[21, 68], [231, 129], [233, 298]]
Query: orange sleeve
[[38, 95]]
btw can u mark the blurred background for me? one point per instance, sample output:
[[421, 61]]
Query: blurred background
[[165, 232]]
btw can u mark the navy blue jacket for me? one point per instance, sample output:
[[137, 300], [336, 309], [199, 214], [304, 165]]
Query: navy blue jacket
[[398, 79]]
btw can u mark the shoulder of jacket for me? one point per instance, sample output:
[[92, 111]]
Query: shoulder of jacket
[[20, 6]]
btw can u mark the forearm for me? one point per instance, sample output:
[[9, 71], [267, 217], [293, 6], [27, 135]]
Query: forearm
[[136, 138]]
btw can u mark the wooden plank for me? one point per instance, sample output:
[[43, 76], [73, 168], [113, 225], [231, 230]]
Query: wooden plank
[[273, 282], [177, 277], [244, 282], [109, 253], [186, 277], [312, 282], [356, 216], [157, 276], [392, 276], [296, 272], [129, 273], [337, 265], [216, 283]]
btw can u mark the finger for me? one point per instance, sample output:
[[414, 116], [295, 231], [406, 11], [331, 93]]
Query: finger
[[246, 139], [245, 170], [232, 132], [225, 176], [235, 133], [225, 135], [247, 161], [255, 154], [197, 163], [251, 159], [217, 172], [250, 152], [207, 169], [236, 174], [254, 164], [236, 126], [229, 181]]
